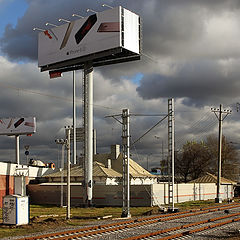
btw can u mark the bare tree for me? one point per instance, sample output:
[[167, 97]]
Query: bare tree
[[197, 158], [192, 161], [230, 161]]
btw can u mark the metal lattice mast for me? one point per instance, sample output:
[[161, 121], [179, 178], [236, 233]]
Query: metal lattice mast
[[171, 152], [125, 149]]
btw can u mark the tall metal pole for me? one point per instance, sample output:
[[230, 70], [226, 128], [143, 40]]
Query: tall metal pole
[[62, 168], [68, 173], [88, 129], [74, 119], [126, 176], [218, 199], [171, 152], [17, 149]]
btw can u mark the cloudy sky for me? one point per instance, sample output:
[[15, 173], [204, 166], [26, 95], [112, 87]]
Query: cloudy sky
[[191, 53]]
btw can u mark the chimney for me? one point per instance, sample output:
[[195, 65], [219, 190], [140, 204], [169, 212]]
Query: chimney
[[115, 151], [109, 163]]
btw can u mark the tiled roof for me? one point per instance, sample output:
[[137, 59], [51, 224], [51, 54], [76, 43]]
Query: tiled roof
[[135, 169], [99, 170], [210, 178]]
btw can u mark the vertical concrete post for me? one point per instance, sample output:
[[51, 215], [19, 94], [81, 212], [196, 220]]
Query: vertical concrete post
[[68, 173], [74, 119], [88, 128]]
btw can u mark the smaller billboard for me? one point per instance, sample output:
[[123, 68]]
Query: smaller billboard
[[17, 126]]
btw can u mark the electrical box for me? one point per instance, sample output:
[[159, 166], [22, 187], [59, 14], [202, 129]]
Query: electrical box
[[15, 210]]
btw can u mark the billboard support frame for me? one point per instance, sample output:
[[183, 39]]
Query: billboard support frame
[[124, 28], [88, 131], [102, 60]]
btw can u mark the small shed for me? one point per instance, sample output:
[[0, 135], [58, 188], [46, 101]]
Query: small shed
[[210, 178], [227, 185]]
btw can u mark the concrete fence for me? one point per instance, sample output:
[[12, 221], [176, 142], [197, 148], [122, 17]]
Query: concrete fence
[[141, 195], [184, 192]]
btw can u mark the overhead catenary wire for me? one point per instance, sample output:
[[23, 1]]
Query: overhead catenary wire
[[199, 128], [149, 130], [48, 95]]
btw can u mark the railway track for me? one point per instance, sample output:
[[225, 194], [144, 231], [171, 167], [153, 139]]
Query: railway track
[[131, 229]]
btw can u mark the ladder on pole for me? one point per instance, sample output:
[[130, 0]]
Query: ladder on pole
[[125, 149], [171, 152]]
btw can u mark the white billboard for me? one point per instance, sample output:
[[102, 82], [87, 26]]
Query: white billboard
[[17, 126], [116, 28]]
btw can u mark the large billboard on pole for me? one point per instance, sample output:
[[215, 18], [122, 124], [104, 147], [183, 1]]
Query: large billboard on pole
[[17, 126], [107, 35]]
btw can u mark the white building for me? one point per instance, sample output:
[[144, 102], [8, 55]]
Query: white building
[[107, 170]]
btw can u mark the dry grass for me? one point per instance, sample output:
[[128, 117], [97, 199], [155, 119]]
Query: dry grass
[[49, 218]]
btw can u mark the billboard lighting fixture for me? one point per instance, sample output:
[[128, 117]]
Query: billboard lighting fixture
[[105, 5], [39, 29], [90, 10], [76, 15], [60, 141], [63, 20], [50, 24]]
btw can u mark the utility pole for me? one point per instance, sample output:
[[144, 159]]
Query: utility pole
[[125, 149], [63, 142], [68, 172], [126, 178], [220, 118], [62, 176], [125, 164], [171, 152]]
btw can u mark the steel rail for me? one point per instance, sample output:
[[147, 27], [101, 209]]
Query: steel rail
[[106, 228], [176, 235]]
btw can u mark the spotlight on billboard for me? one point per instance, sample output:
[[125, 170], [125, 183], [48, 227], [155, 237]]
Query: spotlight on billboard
[[104, 38]]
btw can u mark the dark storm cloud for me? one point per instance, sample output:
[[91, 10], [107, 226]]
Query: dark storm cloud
[[195, 49], [202, 82], [168, 26], [20, 42]]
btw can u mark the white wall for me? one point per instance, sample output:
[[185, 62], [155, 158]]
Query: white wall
[[189, 192]]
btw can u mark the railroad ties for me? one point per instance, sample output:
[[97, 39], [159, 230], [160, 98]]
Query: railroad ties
[[95, 232]]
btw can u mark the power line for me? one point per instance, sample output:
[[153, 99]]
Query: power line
[[48, 95], [34, 92], [150, 129]]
